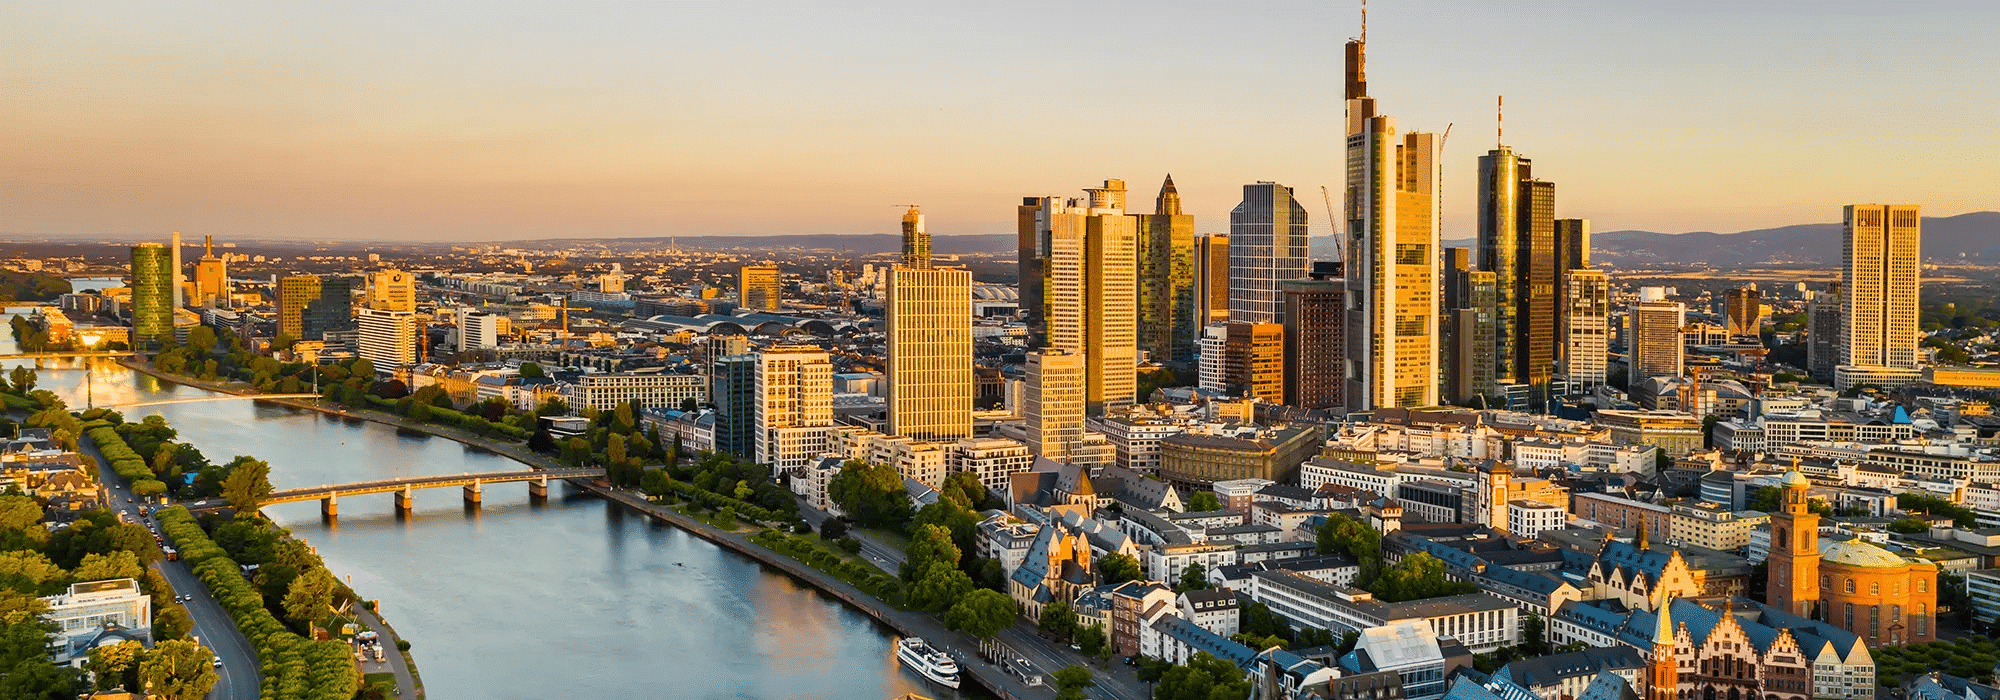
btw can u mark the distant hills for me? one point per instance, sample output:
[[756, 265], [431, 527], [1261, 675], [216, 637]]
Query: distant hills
[[1971, 237], [852, 243]]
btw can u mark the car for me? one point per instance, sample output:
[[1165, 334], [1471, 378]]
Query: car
[[218, 662], [1075, 647]]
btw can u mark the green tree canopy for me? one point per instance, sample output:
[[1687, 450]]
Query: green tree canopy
[[1118, 568], [940, 587], [1195, 578], [249, 481], [929, 544], [1203, 501], [310, 596], [178, 670], [1071, 680], [981, 613], [871, 494]]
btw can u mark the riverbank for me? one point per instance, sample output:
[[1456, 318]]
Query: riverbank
[[906, 623], [409, 683]]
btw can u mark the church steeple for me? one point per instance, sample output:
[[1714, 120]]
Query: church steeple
[[1664, 667]]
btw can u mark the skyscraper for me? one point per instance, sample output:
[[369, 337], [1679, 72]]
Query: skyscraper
[[1880, 244], [1743, 311], [757, 287], [732, 387], [1090, 289], [1823, 324], [388, 339], [478, 330], [930, 344], [1054, 397], [1315, 318], [1267, 245], [1166, 250], [1211, 280], [392, 290], [916, 243], [1518, 242], [180, 298], [294, 293], [332, 310], [1392, 253], [1469, 335], [1586, 328], [152, 296], [794, 406], [1245, 359], [1654, 336], [211, 276], [1031, 262]]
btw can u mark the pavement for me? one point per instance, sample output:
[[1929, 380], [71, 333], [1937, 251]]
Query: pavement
[[392, 660], [240, 677]]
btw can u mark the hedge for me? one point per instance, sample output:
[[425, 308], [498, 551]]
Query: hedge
[[294, 668], [865, 577], [715, 501], [122, 459]]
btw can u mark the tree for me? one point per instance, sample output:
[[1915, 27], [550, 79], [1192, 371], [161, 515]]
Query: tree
[[103, 567], [249, 481], [23, 379], [981, 613], [1195, 578], [832, 529], [110, 664], [1205, 677], [871, 494], [1534, 635], [940, 587], [1058, 620], [930, 544], [1416, 576], [310, 596], [1203, 501], [1344, 535], [1118, 568], [531, 370], [964, 490], [177, 670], [172, 623], [1072, 679], [963, 524], [1093, 641], [19, 512], [1909, 526]]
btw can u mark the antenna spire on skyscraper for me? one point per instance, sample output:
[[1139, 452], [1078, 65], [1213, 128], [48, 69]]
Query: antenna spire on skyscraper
[[1499, 120]]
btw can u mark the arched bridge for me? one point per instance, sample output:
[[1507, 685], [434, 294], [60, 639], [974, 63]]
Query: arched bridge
[[200, 399], [329, 495]]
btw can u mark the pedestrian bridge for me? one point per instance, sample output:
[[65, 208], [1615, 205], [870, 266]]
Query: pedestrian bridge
[[200, 399], [473, 485]]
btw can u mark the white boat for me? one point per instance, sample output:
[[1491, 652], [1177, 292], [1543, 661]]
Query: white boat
[[933, 664]]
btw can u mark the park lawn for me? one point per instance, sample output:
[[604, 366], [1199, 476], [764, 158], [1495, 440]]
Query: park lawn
[[895, 540]]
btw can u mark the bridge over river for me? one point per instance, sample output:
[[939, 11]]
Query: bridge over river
[[329, 495]]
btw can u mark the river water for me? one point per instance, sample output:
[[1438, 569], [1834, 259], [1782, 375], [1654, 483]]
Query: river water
[[573, 598]]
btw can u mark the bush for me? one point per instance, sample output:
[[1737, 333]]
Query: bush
[[402, 644]]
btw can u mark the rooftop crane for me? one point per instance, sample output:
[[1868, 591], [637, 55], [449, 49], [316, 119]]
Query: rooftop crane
[[1340, 251]]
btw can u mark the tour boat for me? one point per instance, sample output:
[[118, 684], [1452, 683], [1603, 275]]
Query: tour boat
[[933, 664]]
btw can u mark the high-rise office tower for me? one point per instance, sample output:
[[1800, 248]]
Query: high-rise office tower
[[1743, 311], [1653, 334], [1244, 359], [1392, 253], [478, 330], [392, 290], [1519, 243], [1823, 324], [1031, 262], [1573, 244], [1090, 290], [732, 387], [152, 296], [1500, 177], [916, 243], [1881, 245], [387, 338], [295, 292], [757, 287], [211, 276], [332, 310], [1055, 399], [1166, 278], [1267, 245], [1469, 332], [929, 314], [794, 406], [180, 273], [1211, 280], [1315, 318], [1586, 328], [1111, 285]]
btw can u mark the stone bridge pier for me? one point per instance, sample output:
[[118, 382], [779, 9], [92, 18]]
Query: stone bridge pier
[[405, 501], [538, 490], [329, 507], [473, 494]]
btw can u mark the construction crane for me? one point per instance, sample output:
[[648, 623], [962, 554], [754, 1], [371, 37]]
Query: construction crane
[[1340, 251]]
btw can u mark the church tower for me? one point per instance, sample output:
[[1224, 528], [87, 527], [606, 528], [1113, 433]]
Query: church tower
[[1793, 584], [1663, 669]]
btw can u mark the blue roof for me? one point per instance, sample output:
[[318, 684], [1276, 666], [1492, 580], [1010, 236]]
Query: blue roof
[[1535, 582], [1182, 630], [1465, 689]]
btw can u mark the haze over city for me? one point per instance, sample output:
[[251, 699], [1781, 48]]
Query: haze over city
[[522, 120]]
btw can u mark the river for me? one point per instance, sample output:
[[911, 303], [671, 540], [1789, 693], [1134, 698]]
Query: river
[[568, 599]]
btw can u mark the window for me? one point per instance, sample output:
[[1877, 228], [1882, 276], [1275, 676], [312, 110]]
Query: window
[[1850, 585], [1850, 616], [1923, 586], [1875, 588], [1874, 620]]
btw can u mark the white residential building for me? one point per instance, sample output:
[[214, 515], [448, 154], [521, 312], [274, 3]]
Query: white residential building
[[794, 406], [650, 386], [387, 338]]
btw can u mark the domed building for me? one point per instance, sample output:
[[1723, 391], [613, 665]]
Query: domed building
[[1862, 588]]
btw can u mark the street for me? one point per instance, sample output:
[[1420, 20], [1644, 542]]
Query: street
[[240, 676]]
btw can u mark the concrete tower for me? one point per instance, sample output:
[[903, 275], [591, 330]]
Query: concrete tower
[[916, 243], [1881, 245], [929, 315], [1267, 246]]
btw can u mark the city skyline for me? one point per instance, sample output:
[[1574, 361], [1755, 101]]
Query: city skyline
[[306, 121]]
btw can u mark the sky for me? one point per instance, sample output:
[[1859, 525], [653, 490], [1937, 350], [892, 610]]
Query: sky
[[499, 121]]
